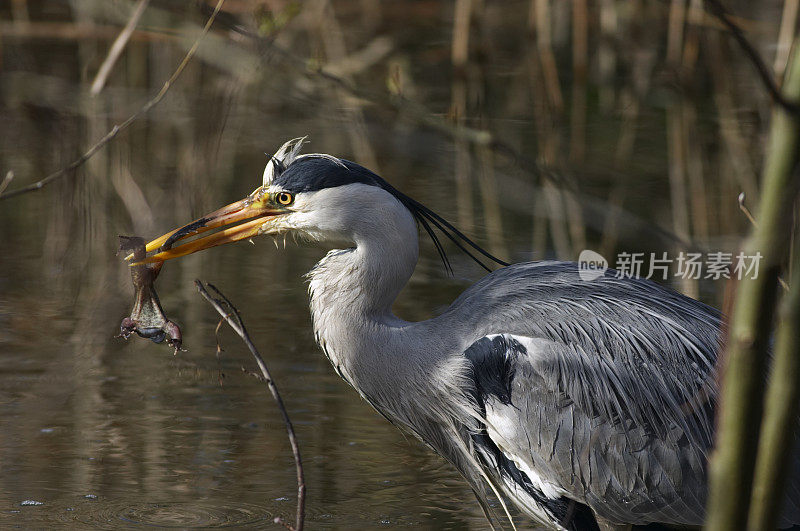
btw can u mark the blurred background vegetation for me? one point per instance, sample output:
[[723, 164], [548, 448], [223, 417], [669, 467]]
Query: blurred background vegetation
[[540, 128]]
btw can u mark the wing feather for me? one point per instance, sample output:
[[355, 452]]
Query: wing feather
[[614, 386], [611, 390]]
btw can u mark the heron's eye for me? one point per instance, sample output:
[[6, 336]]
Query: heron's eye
[[284, 198]]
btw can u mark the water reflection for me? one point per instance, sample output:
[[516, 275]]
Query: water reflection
[[103, 432]]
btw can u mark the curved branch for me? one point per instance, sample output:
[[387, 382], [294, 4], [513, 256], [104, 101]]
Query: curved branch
[[231, 315]]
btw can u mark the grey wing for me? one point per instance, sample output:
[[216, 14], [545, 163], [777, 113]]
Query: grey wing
[[610, 388], [576, 441], [600, 392]]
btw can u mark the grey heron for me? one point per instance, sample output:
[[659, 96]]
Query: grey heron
[[585, 403]]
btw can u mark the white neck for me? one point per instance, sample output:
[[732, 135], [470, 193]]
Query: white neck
[[352, 292], [393, 364]]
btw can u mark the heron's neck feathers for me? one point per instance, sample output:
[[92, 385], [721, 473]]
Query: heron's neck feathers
[[352, 291], [395, 365]]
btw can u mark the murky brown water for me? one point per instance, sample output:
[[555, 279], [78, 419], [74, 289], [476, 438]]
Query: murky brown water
[[99, 432]]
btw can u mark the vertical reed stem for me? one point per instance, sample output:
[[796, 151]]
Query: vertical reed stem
[[732, 465], [779, 427]]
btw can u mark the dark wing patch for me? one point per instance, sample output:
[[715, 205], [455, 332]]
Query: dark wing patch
[[567, 513], [492, 361]]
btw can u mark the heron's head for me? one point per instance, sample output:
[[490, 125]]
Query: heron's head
[[315, 196]]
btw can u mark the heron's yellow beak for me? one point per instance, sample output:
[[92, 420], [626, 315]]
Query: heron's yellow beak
[[242, 219]]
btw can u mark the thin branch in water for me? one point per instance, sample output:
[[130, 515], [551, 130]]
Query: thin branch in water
[[124, 125], [117, 47], [255, 375], [719, 11], [231, 315]]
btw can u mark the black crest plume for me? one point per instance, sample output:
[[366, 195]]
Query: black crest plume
[[310, 173], [430, 219]]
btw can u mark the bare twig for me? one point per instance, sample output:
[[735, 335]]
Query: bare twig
[[124, 125], [255, 375], [231, 315], [749, 216], [6, 181], [216, 333], [116, 49], [746, 210], [719, 11]]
